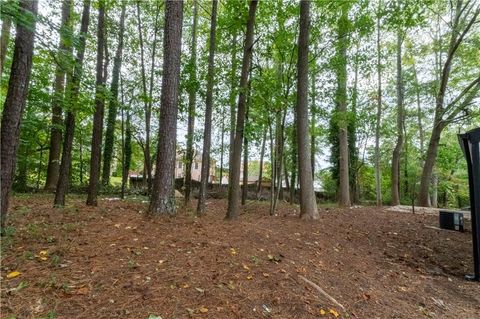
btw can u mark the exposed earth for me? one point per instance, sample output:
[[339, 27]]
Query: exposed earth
[[112, 261]]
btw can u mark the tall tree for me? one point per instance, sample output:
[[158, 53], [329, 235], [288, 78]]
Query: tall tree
[[15, 100], [232, 103], [163, 195], [341, 106], [147, 98], [192, 101], [234, 165], [308, 204], [71, 102], [465, 16], [63, 63], [207, 133], [113, 102], [400, 126], [378, 169], [96, 149]]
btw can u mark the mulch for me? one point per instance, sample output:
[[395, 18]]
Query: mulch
[[112, 261]]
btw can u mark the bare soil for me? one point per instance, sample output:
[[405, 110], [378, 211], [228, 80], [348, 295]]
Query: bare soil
[[112, 261]]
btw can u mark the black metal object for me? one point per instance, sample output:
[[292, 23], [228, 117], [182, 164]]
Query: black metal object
[[470, 143], [451, 220]]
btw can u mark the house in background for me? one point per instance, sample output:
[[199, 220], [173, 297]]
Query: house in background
[[196, 167]]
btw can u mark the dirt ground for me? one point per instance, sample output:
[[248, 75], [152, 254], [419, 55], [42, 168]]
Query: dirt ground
[[114, 262]]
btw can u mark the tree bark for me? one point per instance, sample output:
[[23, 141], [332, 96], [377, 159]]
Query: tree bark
[[4, 40], [163, 195], [64, 53], [207, 133], [96, 148], [71, 98], [234, 187], [15, 102], [400, 126], [341, 103], [192, 103], [113, 103], [308, 204]]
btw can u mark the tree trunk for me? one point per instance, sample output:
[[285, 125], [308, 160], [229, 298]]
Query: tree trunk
[[64, 53], [163, 195], [434, 190], [207, 133], [260, 169], [233, 91], [192, 103], [96, 148], [245, 151], [71, 98], [15, 102], [432, 152], [127, 145], [222, 146], [352, 135], [234, 187], [400, 127], [147, 104], [341, 103], [378, 169], [293, 177], [308, 204], [113, 103], [313, 111], [4, 40]]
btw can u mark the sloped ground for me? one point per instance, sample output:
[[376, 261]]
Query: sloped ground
[[113, 262]]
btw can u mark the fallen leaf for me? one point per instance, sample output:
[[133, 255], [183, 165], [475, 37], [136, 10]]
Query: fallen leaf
[[265, 274], [43, 252], [246, 267], [323, 312], [13, 274], [185, 286], [82, 291], [203, 309], [334, 312], [200, 290], [154, 317], [249, 277], [233, 252]]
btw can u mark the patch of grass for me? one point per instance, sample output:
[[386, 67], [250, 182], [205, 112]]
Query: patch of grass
[[132, 264], [23, 210], [37, 230], [7, 238], [28, 255], [55, 260], [50, 315], [69, 227]]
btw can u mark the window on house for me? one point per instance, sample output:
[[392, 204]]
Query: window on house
[[196, 165], [179, 164]]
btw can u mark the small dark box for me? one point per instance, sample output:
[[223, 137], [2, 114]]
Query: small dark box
[[451, 220]]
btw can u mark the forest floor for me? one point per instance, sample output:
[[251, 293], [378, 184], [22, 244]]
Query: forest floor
[[114, 262]]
